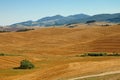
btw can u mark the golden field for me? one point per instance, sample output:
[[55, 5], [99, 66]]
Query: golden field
[[53, 51]]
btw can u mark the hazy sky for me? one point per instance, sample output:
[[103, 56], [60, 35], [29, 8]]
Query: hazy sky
[[12, 11]]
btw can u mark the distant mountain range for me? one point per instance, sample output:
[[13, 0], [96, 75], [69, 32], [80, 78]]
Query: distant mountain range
[[61, 20]]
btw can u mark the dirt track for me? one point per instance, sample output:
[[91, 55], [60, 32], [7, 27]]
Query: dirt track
[[97, 75]]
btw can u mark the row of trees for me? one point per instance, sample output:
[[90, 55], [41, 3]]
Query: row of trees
[[100, 54]]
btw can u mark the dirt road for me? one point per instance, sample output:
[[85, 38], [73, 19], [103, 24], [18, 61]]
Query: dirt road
[[97, 75]]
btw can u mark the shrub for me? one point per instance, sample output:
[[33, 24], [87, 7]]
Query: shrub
[[94, 54], [25, 64], [98, 54], [23, 30], [2, 54]]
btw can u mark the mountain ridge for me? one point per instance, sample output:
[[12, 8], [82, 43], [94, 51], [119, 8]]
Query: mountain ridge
[[62, 20]]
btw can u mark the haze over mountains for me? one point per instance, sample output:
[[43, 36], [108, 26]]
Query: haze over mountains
[[61, 20]]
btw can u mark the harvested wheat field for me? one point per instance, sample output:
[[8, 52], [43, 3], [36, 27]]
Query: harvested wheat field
[[53, 52]]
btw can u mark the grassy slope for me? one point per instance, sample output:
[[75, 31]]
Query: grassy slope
[[49, 46], [62, 40]]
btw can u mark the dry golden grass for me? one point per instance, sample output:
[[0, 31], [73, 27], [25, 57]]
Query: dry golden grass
[[62, 40], [53, 52], [9, 61]]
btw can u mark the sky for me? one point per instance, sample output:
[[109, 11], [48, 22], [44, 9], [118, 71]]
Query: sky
[[14, 11]]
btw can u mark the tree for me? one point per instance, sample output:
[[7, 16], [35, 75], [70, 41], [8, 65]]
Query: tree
[[25, 64], [91, 21]]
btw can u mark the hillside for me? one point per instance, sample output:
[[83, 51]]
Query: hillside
[[62, 40], [53, 51]]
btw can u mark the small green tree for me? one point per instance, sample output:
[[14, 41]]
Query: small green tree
[[25, 64]]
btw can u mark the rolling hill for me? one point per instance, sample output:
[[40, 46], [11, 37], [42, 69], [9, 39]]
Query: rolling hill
[[62, 40], [53, 52]]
